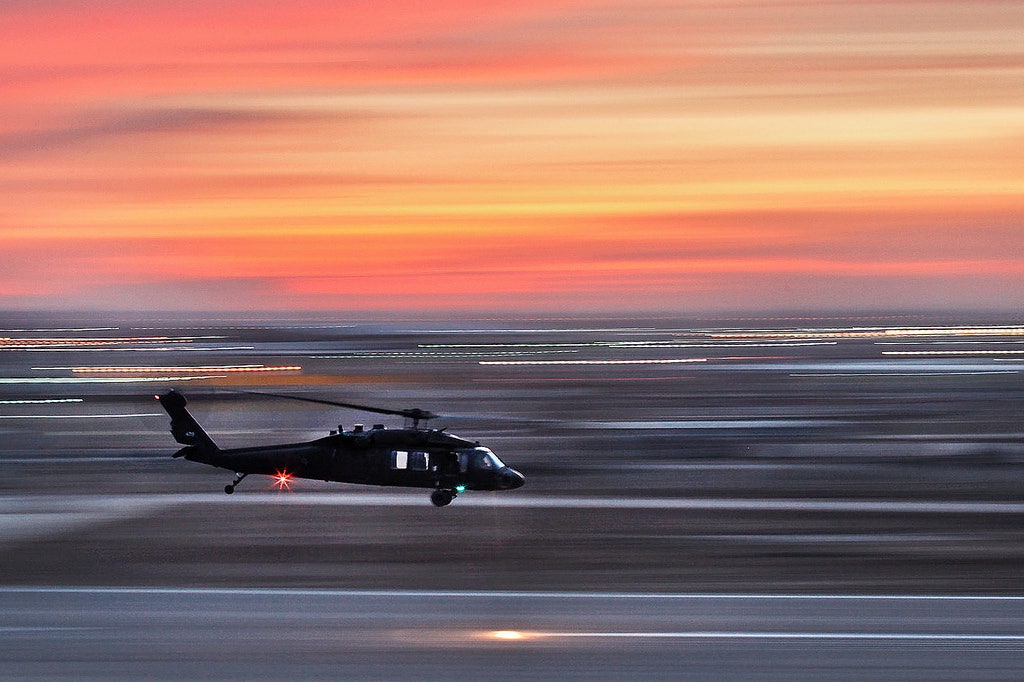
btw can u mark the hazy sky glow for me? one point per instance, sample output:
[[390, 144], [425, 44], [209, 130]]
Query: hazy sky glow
[[518, 156]]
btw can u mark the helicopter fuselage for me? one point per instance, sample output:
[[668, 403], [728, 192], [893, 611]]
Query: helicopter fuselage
[[411, 458]]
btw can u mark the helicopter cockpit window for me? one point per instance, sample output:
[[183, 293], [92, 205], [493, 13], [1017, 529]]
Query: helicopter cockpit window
[[485, 460]]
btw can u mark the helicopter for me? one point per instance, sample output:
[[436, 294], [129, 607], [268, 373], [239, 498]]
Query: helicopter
[[409, 457]]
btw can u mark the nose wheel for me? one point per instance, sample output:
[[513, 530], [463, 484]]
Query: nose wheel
[[441, 498]]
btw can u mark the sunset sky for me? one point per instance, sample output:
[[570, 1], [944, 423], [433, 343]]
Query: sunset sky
[[511, 157]]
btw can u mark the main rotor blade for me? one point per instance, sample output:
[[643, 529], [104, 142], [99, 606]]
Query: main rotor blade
[[414, 413]]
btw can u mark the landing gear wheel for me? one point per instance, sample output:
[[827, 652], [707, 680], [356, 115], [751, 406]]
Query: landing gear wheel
[[440, 498], [230, 487]]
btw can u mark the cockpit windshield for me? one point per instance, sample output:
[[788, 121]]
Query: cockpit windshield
[[482, 459]]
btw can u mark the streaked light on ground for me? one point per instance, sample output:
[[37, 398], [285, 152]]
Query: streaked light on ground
[[187, 370], [47, 401], [951, 353], [508, 635], [672, 361], [7, 343], [103, 380], [870, 332], [715, 634], [79, 416]]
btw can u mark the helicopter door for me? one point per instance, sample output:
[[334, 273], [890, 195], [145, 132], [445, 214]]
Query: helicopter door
[[403, 460], [419, 461], [447, 464]]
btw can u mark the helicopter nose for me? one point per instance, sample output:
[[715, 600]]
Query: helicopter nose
[[511, 479]]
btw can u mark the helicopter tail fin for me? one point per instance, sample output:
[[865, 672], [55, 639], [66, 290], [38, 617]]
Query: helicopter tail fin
[[184, 427]]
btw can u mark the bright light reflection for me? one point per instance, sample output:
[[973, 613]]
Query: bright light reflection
[[508, 635], [282, 481]]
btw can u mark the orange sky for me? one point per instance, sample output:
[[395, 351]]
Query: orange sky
[[508, 157]]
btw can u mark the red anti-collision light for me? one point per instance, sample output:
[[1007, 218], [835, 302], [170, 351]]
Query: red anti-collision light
[[282, 480]]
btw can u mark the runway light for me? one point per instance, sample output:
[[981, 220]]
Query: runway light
[[508, 635]]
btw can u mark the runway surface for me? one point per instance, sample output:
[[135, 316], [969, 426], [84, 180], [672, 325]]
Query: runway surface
[[89, 633], [705, 499]]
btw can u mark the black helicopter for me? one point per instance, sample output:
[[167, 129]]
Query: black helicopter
[[409, 457]]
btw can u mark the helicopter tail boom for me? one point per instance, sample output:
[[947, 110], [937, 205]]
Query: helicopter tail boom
[[184, 427]]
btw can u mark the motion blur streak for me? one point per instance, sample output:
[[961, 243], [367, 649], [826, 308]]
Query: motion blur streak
[[963, 353], [45, 401], [490, 501], [1007, 330], [952, 637], [485, 595], [9, 344], [102, 380], [99, 632], [77, 416], [673, 361], [202, 369], [857, 526], [897, 374]]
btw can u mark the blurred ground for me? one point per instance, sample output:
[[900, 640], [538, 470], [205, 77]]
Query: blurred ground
[[903, 410], [866, 456]]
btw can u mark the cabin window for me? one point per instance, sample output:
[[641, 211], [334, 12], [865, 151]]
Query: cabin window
[[399, 459], [419, 461]]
